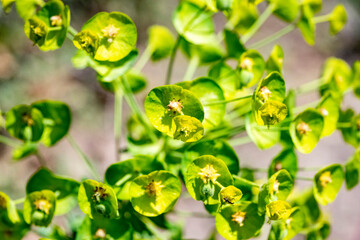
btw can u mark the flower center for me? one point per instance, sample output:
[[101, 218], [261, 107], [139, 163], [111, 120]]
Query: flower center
[[110, 32], [99, 194], [175, 106], [56, 21], [276, 186], [303, 128], [43, 205], [325, 178], [265, 94], [154, 188], [247, 63], [100, 233], [239, 217], [208, 173]]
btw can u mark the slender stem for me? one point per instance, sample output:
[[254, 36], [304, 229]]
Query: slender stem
[[117, 121], [242, 179], [83, 156], [69, 36], [240, 141], [72, 31], [344, 125], [310, 86], [8, 141], [19, 201], [301, 108], [219, 185], [308, 169], [51, 29], [304, 178], [192, 214], [320, 19], [273, 37], [259, 22], [227, 101], [171, 62], [193, 64], [143, 59]]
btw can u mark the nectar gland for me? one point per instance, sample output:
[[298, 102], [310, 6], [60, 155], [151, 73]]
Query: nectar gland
[[99, 194], [275, 187], [56, 21], [175, 106], [239, 218], [208, 173], [110, 32], [303, 128], [324, 112], [154, 188], [325, 178], [43, 205]]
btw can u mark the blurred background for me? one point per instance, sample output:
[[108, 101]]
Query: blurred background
[[27, 75]]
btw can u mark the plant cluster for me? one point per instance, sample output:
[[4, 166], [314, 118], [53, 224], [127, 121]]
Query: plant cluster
[[187, 131]]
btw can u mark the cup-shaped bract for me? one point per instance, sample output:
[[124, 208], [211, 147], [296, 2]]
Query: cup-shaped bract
[[278, 210], [233, 44], [119, 175], [39, 207], [48, 28], [338, 19], [294, 223], [329, 108], [115, 32], [350, 127], [202, 175], [321, 231], [208, 91], [164, 103], [352, 170], [8, 212], [275, 60], [217, 148], [25, 123], [66, 189], [188, 129], [155, 193], [97, 200], [287, 160], [161, 42], [306, 24], [306, 129], [286, 10], [327, 183], [243, 15], [239, 221], [56, 118], [251, 68], [230, 195], [27, 8], [193, 23]]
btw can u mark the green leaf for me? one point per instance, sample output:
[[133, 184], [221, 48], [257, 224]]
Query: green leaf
[[239, 221], [327, 183], [278, 210], [287, 160], [28, 8], [224, 5], [201, 176], [243, 16], [217, 148], [320, 232], [307, 25], [56, 118], [309, 206], [155, 193], [188, 129], [230, 195], [7, 5], [116, 34], [352, 170], [306, 129], [8, 212], [233, 44], [275, 60], [193, 23], [119, 175], [329, 109], [263, 137], [356, 78], [164, 103], [39, 207], [338, 19], [315, 5], [251, 68], [161, 42], [351, 127], [65, 188], [294, 223], [286, 10], [25, 150], [9, 231], [25, 123], [97, 200]]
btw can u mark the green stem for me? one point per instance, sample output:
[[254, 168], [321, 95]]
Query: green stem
[[131, 101], [242, 179], [309, 86], [55, 29], [117, 121], [306, 169], [8, 141], [72, 31], [219, 185], [152, 228], [344, 125], [83, 157], [171, 62], [302, 108], [227, 101], [192, 214], [259, 22], [304, 178], [193, 64], [321, 19], [273, 37], [19, 201], [240, 141], [143, 59]]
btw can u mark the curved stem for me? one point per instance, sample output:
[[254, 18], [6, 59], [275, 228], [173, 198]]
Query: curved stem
[[259, 22], [171, 62], [304, 178], [193, 64], [249, 182], [117, 121], [310, 86], [19, 201], [273, 37], [8, 141], [321, 19], [72, 31], [239, 141], [219, 185], [143, 59], [227, 101]]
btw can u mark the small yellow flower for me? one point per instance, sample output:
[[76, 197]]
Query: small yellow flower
[[208, 173], [43, 205], [56, 21], [276, 186], [247, 64], [239, 217], [265, 94], [325, 178], [110, 32], [154, 188], [100, 233], [303, 128], [175, 106]]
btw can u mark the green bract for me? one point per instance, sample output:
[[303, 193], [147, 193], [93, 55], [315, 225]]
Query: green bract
[[329, 109], [56, 119], [39, 207], [97, 200], [338, 19], [161, 42], [226, 77], [188, 129], [230, 195], [350, 130], [278, 210], [202, 175], [194, 24], [203, 53], [243, 15], [356, 77], [287, 160], [233, 44], [7, 5], [315, 5], [107, 36], [48, 28], [286, 10], [155, 193], [267, 100], [306, 129], [27, 8], [25, 150], [251, 68], [164, 103], [327, 183], [65, 188], [352, 170], [25, 123], [307, 25], [8, 212], [239, 221], [275, 60], [320, 232]]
